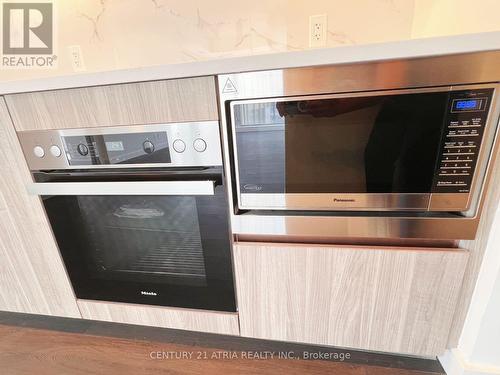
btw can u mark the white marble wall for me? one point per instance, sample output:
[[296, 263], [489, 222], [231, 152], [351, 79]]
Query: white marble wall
[[118, 34], [451, 17]]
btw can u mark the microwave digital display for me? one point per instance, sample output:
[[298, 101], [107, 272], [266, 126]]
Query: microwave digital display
[[462, 105], [466, 104]]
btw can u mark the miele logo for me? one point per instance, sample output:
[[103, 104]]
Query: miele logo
[[344, 200], [148, 293], [252, 187]]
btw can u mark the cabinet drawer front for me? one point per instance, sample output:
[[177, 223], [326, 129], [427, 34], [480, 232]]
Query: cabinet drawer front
[[167, 317], [384, 299], [178, 100]]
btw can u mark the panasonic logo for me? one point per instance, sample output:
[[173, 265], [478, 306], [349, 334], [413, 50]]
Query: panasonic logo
[[344, 200], [148, 293]]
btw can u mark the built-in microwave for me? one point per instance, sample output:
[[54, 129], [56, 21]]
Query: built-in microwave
[[411, 149], [377, 149]]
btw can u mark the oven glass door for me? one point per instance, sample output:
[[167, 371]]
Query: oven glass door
[[356, 146], [159, 250]]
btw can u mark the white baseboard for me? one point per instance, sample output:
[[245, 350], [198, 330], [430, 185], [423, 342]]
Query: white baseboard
[[454, 363]]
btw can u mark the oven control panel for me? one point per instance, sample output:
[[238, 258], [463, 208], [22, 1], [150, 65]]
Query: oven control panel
[[123, 148], [461, 139], [191, 144]]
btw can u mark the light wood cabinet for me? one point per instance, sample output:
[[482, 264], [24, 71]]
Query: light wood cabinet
[[167, 317], [32, 275], [177, 100], [383, 299]]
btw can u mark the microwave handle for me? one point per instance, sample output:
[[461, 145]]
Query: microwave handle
[[123, 188]]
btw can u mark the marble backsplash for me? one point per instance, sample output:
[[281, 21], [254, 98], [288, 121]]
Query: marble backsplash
[[119, 34]]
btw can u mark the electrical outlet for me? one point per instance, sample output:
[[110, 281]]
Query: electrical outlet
[[317, 30], [76, 57]]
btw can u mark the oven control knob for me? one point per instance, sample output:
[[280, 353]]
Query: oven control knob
[[199, 145], [82, 149], [39, 151], [55, 151], [148, 147], [179, 145]]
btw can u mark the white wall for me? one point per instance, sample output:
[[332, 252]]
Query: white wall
[[486, 350], [121, 34], [478, 350], [451, 17]]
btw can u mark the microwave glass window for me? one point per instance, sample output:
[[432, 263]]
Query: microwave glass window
[[377, 144]]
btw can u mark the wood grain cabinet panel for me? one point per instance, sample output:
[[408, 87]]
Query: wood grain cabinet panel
[[167, 317], [32, 275], [384, 299], [178, 100]]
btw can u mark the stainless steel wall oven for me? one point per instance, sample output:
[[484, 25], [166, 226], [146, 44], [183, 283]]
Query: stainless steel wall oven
[[372, 150], [139, 213]]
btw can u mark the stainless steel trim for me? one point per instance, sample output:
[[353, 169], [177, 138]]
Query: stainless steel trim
[[123, 188], [336, 96], [187, 131], [331, 227], [448, 70], [449, 202], [334, 202]]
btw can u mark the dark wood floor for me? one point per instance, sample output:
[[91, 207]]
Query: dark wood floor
[[43, 352], [39, 344]]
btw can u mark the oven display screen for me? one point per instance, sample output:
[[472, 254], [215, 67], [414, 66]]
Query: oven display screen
[[467, 105], [114, 146]]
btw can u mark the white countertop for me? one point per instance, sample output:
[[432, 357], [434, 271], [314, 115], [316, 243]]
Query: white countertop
[[338, 55]]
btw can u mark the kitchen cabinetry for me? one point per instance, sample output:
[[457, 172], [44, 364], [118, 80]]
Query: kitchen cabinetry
[[193, 320], [179, 100], [32, 276], [383, 299]]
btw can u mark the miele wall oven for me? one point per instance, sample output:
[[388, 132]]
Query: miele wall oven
[[139, 213], [378, 149]]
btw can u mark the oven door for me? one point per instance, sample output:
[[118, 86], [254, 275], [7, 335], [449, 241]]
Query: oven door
[[366, 151], [159, 242]]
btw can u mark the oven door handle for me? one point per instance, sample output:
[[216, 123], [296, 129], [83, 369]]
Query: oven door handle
[[123, 188]]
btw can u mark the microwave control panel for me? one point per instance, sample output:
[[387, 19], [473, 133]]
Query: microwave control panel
[[461, 139]]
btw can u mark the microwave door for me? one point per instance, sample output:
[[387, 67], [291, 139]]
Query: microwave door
[[367, 153]]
